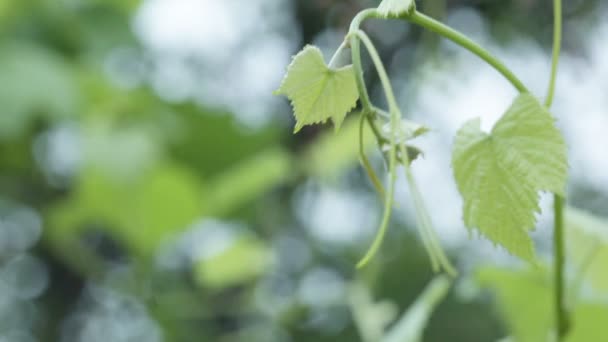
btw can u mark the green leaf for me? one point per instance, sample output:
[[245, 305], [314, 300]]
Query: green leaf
[[394, 8], [500, 174], [316, 91]]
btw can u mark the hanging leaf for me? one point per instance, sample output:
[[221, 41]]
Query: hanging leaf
[[318, 92], [395, 8], [500, 174]]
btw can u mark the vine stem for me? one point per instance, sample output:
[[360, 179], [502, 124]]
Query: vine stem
[[357, 36], [430, 24], [438, 257], [561, 315]]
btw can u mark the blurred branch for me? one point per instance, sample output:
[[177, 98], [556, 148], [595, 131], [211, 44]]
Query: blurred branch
[[411, 325], [372, 318]]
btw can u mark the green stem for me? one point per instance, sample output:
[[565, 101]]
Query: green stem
[[355, 48], [382, 74], [357, 36], [464, 41], [561, 314], [365, 162], [557, 45], [437, 255]]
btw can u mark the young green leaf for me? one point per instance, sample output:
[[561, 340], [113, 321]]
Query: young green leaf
[[395, 8], [500, 174], [318, 92]]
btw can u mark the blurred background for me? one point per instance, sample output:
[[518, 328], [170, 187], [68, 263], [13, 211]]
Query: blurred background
[[151, 188]]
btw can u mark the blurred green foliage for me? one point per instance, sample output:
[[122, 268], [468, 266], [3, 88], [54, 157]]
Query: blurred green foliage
[[147, 171]]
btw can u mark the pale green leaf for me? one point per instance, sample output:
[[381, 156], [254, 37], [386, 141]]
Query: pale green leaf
[[318, 92], [588, 323], [248, 180], [523, 298], [525, 302], [588, 246], [501, 173], [393, 8]]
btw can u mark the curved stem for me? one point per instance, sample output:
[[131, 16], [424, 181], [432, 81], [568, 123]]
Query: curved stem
[[557, 45], [382, 74], [429, 238], [394, 117], [365, 162], [464, 41], [394, 111], [355, 48]]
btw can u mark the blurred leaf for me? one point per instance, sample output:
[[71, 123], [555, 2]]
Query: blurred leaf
[[35, 83], [223, 142], [119, 151], [248, 180], [371, 318], [524, 300], [589, 323], [318, 92], [331, 153], [141, 213], [244, 260], [410, 328], [588, 246], [500, 174]]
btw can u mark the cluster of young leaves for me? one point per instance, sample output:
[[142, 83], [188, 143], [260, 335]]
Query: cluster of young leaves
[[395, 8]]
